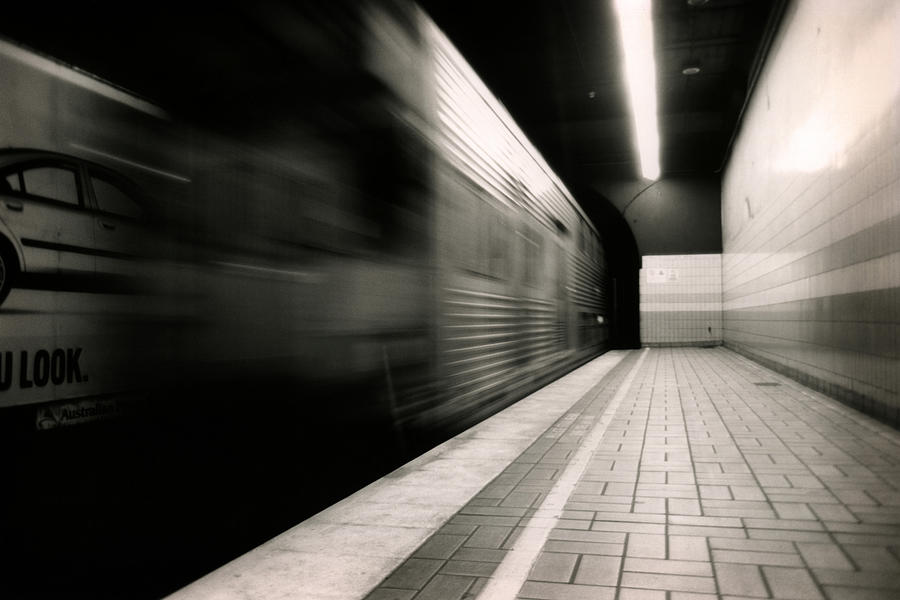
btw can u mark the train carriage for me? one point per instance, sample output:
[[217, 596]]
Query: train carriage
[[414, 240], [377, 256]]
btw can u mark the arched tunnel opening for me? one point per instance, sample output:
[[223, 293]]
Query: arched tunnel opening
[[623, 265]]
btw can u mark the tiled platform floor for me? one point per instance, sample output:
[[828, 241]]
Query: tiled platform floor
[[714, 478]]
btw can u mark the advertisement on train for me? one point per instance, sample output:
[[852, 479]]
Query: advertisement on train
[[139, 253], [298, 244]]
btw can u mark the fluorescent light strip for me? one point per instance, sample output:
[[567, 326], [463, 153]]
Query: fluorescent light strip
[[636, 28]]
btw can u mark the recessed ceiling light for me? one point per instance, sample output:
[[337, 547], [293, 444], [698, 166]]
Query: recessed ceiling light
[[693, 70], [697, 2]]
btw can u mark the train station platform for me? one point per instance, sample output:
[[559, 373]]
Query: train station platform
[[654, 474]]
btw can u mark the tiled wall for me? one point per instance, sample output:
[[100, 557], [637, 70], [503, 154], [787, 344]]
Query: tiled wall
[[811, 206], [681, 300]]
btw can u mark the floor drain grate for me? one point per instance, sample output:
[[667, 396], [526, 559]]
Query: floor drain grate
[[766, 383]]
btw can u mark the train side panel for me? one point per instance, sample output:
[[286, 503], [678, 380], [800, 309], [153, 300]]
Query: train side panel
[[519, 292], [411, 240]]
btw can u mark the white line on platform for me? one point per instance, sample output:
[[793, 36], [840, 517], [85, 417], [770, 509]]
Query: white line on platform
[[510, 576]]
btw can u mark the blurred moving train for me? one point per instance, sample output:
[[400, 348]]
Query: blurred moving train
[[404, 239], [321, 248]]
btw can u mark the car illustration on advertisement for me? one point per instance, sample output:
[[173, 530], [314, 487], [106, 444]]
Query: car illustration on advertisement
[[64, 216]]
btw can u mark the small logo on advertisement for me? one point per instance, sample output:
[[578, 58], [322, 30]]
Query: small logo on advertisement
[[75, 413]]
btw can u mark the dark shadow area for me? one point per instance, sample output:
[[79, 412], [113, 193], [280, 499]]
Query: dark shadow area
[[187, 479], [139, 506], [623, 265]]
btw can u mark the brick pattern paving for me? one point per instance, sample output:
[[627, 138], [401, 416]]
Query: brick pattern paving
[[705, 485]]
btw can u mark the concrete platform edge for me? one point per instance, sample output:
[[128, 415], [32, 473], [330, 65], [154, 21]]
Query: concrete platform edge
[[347, 549]]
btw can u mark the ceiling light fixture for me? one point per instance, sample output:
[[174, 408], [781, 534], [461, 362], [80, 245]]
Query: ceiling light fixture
[[691, 70], [636, 29]]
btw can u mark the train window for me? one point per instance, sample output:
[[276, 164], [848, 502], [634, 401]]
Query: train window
[[465, 233], [531, 254], [496, 246], [478, 235], [587, 328], [53, 183], [12, 183], [112, 199]]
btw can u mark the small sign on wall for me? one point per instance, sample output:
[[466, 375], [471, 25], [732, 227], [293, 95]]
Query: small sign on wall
[[657, 275]]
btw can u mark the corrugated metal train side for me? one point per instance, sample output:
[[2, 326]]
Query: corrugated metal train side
[[520, 292]]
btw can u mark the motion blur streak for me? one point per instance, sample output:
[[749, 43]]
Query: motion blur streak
[[130, 163], [339, 246], [77, 78]]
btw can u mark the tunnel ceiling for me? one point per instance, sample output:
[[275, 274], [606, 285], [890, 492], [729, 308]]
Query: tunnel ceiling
[[553, 63]]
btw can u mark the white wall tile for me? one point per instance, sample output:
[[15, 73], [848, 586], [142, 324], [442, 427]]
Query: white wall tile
[[818, 162]]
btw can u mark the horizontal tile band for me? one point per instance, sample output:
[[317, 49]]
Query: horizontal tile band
[[876, 274], [849, 339], [880, 408], [675, 316], [870, 306], [873, 242], [877, 374], [651, 307], [648, 296]]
